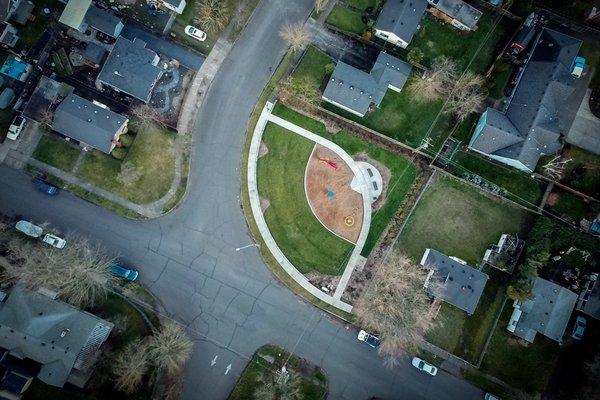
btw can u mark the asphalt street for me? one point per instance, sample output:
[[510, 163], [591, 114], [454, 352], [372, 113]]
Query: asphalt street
[[228, 299]]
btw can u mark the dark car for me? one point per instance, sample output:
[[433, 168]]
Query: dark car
[[124, 272], [45, 187]]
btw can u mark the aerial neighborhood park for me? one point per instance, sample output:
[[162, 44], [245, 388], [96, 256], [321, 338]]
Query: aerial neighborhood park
[[308, 199]]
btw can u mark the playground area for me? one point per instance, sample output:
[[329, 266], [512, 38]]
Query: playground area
[[337, 206]]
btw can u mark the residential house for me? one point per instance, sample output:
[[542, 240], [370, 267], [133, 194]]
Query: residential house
[[45, 97], [589, 298], [62, 339], [17, 11], [536, 116], [504, 255], [399, 21], [104, 21], [9, 36], [90, 123], [174, 5], [458, 13], [547, 312], [355, 90], [462, 285], [93, 54], [131, 68], [74, 13]]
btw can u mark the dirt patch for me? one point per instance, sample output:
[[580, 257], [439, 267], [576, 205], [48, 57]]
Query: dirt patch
[[323, 281], [330, 196], [263, 150], [264, 204], [385, 177]]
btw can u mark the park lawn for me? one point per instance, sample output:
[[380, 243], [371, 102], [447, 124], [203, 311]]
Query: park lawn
[[465, 336], [456, 219], [436, 39], [403, 172], [346, 19], [589, 183], [152, 154], [524, 367], [521, 187], [299, 234], [56, 152]]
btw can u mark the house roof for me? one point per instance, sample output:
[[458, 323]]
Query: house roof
[[547, 312], [131, 68], [94, 53], [534, 120], [401, 17], [174, 3], [589, 299], [51, 332], [462, 284], [74, 13], [87, 122], [460, 11], [47, 93], [4, 9], [103, 21], [356, 89], [22, 12]]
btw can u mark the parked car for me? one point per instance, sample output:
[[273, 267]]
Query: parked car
[[29, 229], [45, 187], [577, 67], [16, 127], [579, 328], [195, 33], [124, 272], [424, 366], [489, 396], [369, 339], [54, 241]]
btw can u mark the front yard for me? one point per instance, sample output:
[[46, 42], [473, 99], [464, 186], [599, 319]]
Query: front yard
[[57, 152], [346, 19]]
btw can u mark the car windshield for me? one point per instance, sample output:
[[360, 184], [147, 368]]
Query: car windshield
[[421, 364]]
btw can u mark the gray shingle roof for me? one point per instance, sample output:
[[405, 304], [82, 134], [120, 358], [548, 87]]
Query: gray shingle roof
[[547, 312], [94, 53], [460, 11], [131, 68], [47, 93], [401, 17], [536, 106], [103, 21], [51, 332], [87, 122], [357, 89], [462, 284]]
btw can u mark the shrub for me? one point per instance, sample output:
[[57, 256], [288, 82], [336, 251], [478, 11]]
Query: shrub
[[329, 68], [126, 140], [119, 153], [415, 56]]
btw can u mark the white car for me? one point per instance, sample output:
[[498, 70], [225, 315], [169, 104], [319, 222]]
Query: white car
[[29, 229], [424, 366], [54, 241], [369, 339], [489, 396], [195, 33], [16, 127]]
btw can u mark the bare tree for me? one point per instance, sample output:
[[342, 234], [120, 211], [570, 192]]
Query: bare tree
[[304, 88], [145, 116], [279, 386], [555, 168], [435, 82], [396, 306], [130, 366], [320, 5], [170, 348], [213, 15], [46, 117], [78, 273], [296, 35], [466, 97]]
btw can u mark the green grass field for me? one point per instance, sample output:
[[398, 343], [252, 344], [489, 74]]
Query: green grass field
[[312, 66], [363, 4], [457, 220], [299, 234], [56, 152], [403, 172], [346, 19]]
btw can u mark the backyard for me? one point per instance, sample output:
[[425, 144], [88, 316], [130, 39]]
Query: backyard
[[583, 171], [57, 152], [307, 244], [457, 220]]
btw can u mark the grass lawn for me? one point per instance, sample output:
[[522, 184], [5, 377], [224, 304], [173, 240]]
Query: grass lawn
[[303, 239], [589, 182], [498, 79], [346, 19], [436, 38], [403, 172], [312, 66], [527, 368], [56, 152], [313, 384], [151, 153], [570, 205], [523, 188], [457, 220], [363, 4], [465, 336], [464, 130]]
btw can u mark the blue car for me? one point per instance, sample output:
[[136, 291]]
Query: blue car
[[45, 187], [579, 328], [126, 273]]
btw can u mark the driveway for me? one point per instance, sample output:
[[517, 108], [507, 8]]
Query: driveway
[[228, 299], [585, 131]]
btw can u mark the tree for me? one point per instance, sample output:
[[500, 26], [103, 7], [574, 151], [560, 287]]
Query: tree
[[465, 97], [296, 36], [145, 116], [170, 348], [396, 306], [320, 5], [415, 55], [329, 68], [46, 117], [78, 273], [130, 366], [126, 140], [212, 15], [303, 88], [119, 153], [436, 82], [555, 168]]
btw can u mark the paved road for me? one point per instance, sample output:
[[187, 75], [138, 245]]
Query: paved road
[[229, 299]]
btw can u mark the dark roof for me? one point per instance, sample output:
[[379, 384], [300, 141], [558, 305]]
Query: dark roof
[[401, 17], [174, 3], [47, 93], [462, 284], [532, 125], [460, 11], [589, 299], [103, 21], [4, 9], [547, 312], [357, 89], [23, 11], [131, 68], [94, 53], [51, 332], [87, 122]]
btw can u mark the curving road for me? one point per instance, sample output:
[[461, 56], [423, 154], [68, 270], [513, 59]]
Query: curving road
[[228, 299]]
